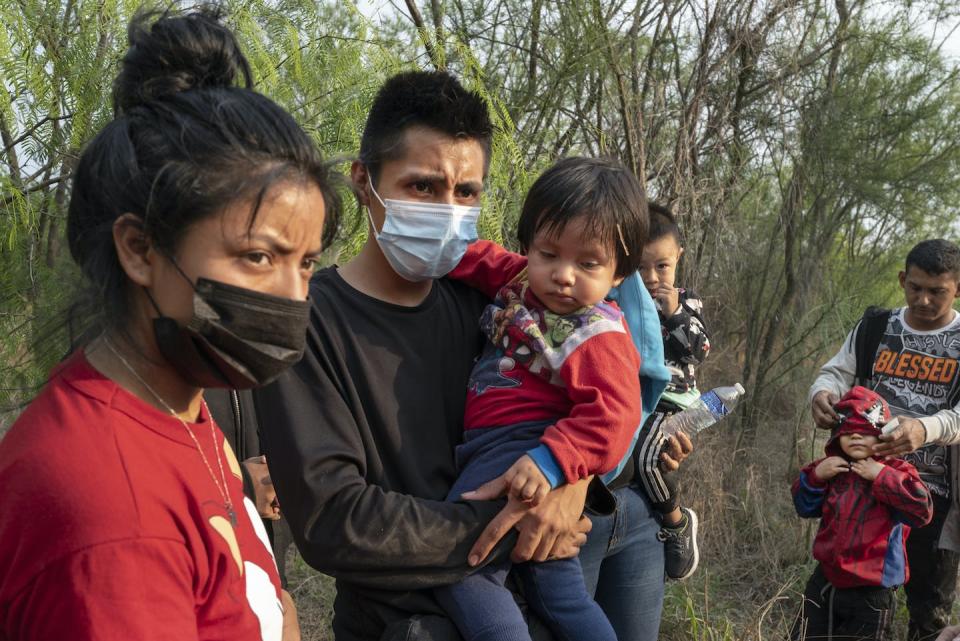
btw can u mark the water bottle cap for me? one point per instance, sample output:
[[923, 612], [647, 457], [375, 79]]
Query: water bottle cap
[[739, 388]]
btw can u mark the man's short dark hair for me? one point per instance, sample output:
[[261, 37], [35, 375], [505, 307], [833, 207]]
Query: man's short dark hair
[[936, 256], [602, 190], [663, 223], [432, 99]]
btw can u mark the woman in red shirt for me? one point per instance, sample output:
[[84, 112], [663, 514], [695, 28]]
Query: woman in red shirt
[[196, 217]]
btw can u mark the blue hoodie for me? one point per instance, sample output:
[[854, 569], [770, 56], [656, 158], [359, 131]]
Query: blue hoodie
[[641, 314]]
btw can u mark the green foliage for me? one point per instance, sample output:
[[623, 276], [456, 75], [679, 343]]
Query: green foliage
[[57, 61], [803, 150]]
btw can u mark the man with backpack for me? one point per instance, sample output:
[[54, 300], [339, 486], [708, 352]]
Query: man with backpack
[[910, 356]]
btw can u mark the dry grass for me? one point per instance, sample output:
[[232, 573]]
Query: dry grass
[[754, 558], [313, 593]]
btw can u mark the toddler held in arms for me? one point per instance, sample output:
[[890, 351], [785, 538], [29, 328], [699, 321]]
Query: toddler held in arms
[[555, 396]]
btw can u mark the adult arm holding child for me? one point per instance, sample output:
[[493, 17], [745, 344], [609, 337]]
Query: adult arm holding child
[[349, 526]]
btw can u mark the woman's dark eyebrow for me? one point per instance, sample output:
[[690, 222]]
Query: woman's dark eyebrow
[[280, 247]]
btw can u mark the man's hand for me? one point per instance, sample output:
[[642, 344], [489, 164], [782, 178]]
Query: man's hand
[[830, 467], [867, 468], [523, 481], [669, 298], [908, 436], [291, 627], [824, 416], [552, 529], [265, 494], [677, 448], [569, 546]]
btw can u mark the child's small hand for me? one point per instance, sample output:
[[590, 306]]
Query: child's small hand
[[867, 468], [523, 481], [830, 467], [669, 297], [526, 482]]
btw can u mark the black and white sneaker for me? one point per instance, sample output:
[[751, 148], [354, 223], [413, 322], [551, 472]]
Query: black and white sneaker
[[680, 551]]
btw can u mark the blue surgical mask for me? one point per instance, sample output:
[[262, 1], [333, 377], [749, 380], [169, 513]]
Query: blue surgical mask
[[422, 241]]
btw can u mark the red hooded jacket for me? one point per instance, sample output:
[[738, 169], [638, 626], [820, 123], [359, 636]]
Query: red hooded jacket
[[863, 524]]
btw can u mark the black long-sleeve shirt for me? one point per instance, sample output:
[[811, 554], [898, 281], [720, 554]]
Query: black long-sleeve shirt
[[360, 438], [685, 341]]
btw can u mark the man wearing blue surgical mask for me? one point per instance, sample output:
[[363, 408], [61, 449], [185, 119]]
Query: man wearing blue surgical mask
[[422, 209], [360, 435]]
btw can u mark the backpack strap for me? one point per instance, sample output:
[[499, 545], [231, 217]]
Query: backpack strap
[[867, 340], [954, 398]]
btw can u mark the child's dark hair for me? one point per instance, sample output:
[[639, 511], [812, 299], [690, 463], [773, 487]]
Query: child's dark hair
[[432, 99], [663, 223], [185, 143], [602, 190], [936, 256]]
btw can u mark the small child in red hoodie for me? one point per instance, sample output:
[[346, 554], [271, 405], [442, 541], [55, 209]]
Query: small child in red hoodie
[[866, 507]]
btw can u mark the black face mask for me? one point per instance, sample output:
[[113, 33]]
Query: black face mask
[[238, 338]]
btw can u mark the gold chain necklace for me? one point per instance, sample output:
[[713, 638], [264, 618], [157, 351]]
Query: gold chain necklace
[[223, 489]]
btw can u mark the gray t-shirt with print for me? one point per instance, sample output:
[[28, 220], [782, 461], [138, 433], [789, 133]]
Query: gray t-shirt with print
[[917, 374]]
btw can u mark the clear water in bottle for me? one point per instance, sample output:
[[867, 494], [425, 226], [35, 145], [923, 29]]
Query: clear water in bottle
[[705, 411]]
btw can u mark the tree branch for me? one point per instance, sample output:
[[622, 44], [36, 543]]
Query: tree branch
[[435, 56]]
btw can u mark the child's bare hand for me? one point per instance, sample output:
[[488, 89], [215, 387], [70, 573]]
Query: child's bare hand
[[526, 482], [830, 467], [669, 297], [867, 468], [675, 450], [523, 481]]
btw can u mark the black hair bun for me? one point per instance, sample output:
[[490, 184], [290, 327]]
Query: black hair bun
[[170, 53]]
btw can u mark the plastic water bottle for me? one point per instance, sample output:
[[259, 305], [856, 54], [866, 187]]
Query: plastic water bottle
[[705, 411]]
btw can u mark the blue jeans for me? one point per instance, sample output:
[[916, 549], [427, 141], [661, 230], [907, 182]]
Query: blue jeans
[[623, 566], [481, 606], [484, 610]]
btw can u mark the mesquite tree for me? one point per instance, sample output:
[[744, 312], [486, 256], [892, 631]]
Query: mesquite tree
[[804, 145]]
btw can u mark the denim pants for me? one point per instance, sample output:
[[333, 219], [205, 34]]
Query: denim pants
[[480, 605], [623, 566], [484, 610]]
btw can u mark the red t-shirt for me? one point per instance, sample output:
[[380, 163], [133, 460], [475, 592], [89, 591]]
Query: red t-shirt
[[113, 528]]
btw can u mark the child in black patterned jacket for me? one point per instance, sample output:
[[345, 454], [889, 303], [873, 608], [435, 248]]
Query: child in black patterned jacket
[[685, 346]]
